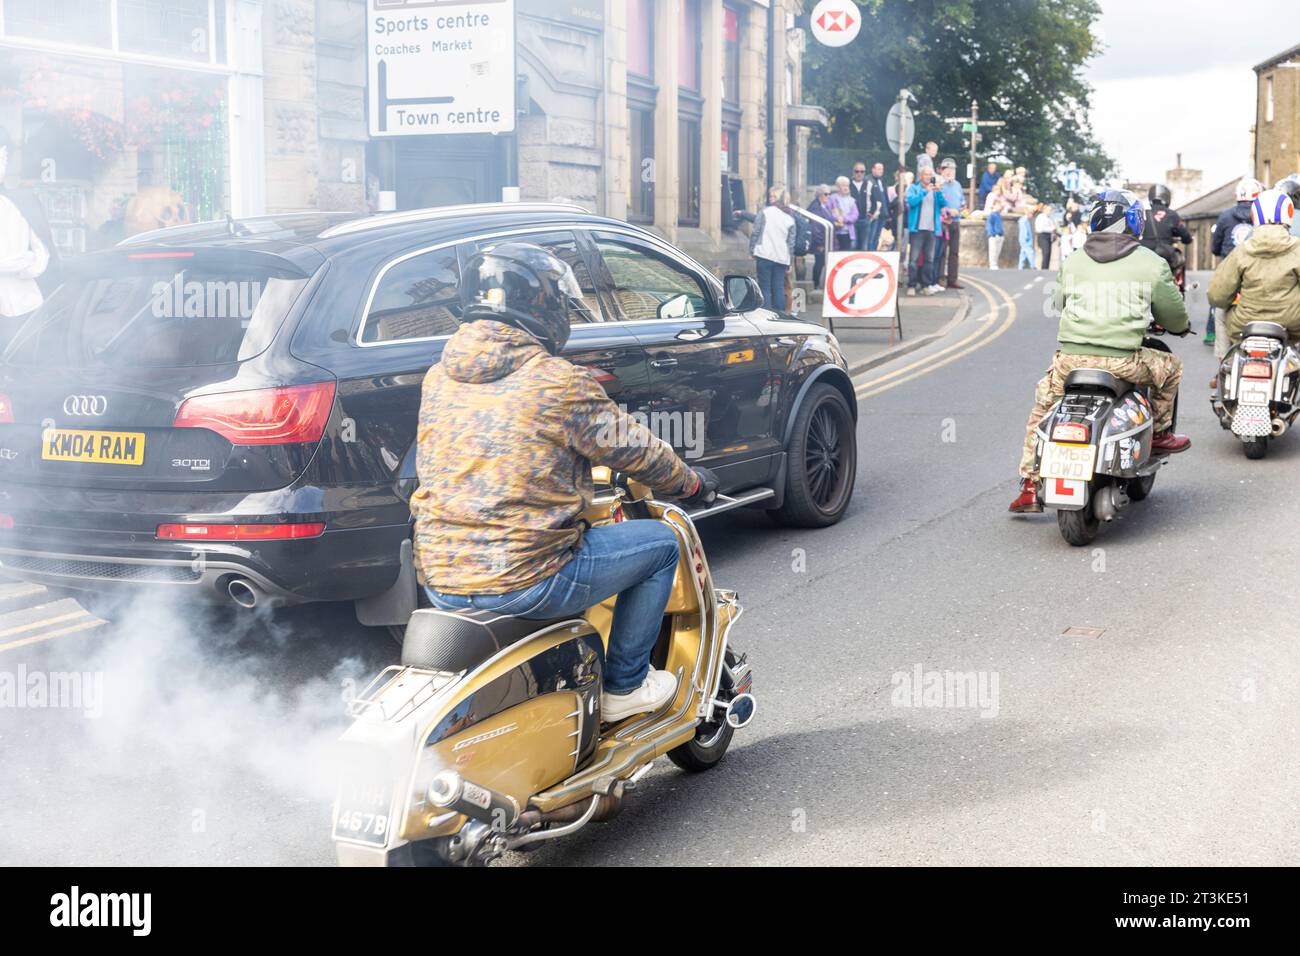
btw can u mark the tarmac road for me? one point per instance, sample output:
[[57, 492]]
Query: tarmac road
[[1166, 735]]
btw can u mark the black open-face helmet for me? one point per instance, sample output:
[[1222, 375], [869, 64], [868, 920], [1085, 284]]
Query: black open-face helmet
[[524, 286], [1159, 195]]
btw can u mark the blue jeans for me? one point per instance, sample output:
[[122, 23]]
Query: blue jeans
[[771, 282], [934, 267], [636, 560], [874, 227]]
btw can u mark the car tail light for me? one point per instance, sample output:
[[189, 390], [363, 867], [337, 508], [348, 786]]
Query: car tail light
[[1257, 370], [6, 522], [1070, 432], [240, 532], [6, 410], [266, 416]]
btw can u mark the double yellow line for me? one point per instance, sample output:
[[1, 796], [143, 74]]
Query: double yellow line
[[85, 622], [976, 340]]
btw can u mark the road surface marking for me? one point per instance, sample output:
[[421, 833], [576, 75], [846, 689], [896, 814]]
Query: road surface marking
[[873, 382], [928, 364], [43, 622], [37, 638]]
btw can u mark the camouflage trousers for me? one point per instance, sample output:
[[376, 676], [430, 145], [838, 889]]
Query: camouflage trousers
[[1160, 370]]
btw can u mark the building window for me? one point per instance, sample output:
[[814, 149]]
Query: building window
[[688, 170], [1268, 171], [730, 150], [641, 153], [688, 49], [640, 38], [731, 54], [189, 30]]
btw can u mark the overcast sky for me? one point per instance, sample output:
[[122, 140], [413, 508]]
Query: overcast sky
[[1176, 77]]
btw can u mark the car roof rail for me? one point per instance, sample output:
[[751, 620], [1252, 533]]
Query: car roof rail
[[246, 227], [434, 213]]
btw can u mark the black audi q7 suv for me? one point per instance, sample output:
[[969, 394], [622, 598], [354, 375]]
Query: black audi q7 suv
[[228, 410]]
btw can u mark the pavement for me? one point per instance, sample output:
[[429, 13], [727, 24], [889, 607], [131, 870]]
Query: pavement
[[938, 682]]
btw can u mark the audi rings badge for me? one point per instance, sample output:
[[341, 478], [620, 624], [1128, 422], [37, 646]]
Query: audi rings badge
[[85, 405]]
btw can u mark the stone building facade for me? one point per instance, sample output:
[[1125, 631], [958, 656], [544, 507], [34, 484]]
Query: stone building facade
[[656, 111], [1277, 116]]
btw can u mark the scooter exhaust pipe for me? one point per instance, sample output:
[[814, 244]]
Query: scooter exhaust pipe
[[244, 592], [1279, 428]]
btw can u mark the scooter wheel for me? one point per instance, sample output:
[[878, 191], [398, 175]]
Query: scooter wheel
[[1078, 528], [1256, 448], [709, 746]]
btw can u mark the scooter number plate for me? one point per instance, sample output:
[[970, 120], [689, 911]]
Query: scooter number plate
[[1071, 462], [363, 813], [1254, 393]]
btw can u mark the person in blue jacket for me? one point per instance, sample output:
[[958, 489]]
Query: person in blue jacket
[[925, 202]]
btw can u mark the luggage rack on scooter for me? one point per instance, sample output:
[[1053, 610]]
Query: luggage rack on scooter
[[366, 701]]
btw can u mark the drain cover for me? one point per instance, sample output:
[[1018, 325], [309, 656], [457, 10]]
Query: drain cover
[[1074, 631]]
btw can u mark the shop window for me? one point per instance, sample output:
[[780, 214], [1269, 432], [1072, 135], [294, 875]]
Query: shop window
[[731, 54], [688, 170], [688, 50], [640, 38], [179, 29], [83, 22], [641, 153]]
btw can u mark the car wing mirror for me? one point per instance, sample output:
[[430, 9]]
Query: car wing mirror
[[742, 294]]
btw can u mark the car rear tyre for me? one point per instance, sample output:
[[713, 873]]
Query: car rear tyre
[[1078, 528], [822, 461]]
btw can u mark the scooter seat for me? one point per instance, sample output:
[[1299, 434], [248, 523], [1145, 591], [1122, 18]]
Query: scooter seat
[[1268, 330], [456, 641], [1096, 379]]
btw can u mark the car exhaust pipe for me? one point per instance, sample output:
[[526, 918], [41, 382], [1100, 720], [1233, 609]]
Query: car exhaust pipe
[[244, 592], [1279, 428]]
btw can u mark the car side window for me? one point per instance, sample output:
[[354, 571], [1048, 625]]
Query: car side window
[[565, 246], [418, 298], [648, 285]]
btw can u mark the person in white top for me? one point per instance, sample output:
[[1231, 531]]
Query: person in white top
[[23, 257], [1045, 227], [771, 243]]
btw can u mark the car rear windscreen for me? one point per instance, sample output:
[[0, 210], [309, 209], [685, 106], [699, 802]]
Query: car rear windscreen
[[159, 313]]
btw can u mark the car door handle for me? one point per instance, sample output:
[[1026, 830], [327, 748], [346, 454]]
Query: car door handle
[[668, 362]]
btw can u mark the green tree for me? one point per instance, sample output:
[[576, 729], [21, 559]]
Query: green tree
[[1022, 60]]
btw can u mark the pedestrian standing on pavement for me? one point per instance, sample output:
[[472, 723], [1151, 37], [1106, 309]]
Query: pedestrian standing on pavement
[[1026, 228], [956, 205], [880, 207], [821, 206], [926, 160], [1045, 229], [988, 182], [771, 243], [846, 214], [858, 187], [1001, 200], [925, 203]]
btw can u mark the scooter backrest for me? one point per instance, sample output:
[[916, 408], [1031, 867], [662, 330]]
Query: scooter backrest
[[1268, 330]]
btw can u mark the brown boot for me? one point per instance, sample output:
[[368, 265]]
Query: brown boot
[[1027, 502]]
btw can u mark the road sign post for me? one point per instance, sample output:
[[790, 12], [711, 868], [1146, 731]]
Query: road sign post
[[900, 130], [971, 124]]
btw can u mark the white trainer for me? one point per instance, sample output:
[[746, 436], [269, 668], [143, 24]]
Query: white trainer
[[658, 688]]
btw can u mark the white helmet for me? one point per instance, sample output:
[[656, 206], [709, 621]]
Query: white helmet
[[1272, 207], [1248, 189]]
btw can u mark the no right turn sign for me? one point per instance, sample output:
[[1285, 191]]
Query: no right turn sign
[[861, 285]]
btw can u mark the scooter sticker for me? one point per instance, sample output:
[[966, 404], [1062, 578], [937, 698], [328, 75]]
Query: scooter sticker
[[1065, 491], [1125, 454]]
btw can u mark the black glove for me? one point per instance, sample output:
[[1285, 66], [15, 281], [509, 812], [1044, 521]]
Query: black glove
[[705, 492]]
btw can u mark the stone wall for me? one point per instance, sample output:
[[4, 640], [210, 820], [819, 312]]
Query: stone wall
[[341, 94], [289, 87], [1277, 143]]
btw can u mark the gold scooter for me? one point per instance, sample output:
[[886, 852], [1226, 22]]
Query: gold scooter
[[488, 737]]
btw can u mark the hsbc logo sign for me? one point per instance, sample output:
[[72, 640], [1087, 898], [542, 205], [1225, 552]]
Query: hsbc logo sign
[[835, 22], [85, 405]]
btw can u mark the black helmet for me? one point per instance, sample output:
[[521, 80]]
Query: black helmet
[[1159, 195], [524, 286], [1116, 208]]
